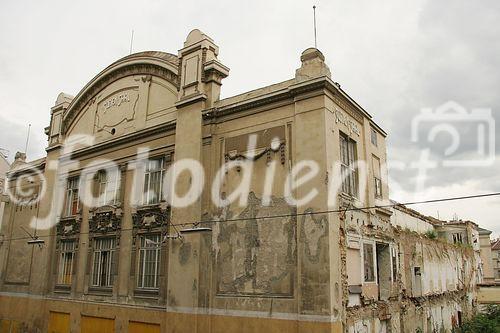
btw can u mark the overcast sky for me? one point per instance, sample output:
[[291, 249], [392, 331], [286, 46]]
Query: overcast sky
[[393, 57]]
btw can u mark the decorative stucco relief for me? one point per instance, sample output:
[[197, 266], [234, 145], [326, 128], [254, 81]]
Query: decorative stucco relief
[[116, 110]]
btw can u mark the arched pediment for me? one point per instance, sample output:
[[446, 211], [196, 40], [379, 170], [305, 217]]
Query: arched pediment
[[125, 96]]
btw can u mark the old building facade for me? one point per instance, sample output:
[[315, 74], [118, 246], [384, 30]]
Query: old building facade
[[121, 240], [486, 255], [4, 167], [495, 255]]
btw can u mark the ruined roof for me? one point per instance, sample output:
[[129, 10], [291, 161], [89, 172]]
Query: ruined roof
[[432, 220], [483, 231], [461, 222]]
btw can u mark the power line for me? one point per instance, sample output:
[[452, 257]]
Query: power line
[[350, 208]]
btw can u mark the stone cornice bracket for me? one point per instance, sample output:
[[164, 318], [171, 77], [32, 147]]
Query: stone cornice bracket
[[201, 73], [215, 71]]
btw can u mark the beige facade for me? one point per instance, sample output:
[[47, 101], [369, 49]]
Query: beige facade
[[4, 167], [486, 255], [111, 196], [495, 255]]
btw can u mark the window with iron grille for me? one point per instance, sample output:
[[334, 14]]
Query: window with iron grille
[[72, 199], [109, 187], [153, 181], [149, 261], [102, 273], [348, 160], [66, 259]]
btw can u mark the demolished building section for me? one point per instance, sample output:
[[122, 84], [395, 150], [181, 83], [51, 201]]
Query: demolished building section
[[258, 263], [403, 277]]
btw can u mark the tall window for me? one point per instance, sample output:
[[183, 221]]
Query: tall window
[[368, 259], [149, 261], [153, 181], [377, 176], [373, 137], [109, 187], [348, 159], [102, 274], [394, 259], [67, 250], [72, 199]]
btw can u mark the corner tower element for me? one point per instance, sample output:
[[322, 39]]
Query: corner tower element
[[313, 65], [201, 73]]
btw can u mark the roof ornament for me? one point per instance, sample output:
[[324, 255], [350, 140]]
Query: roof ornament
[[314, 15]]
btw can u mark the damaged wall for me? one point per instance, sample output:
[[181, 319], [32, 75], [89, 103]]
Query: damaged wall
[[433, 282]]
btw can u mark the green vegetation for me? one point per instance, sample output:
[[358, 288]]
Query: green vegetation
[[488, 322], [431, 234]]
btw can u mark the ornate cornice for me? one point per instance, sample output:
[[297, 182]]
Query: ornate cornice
[[289, 94], [132, 137]]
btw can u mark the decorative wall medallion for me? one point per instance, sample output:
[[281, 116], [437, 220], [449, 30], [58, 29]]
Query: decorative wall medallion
[[149, 217], [105, 219], [68, 226]]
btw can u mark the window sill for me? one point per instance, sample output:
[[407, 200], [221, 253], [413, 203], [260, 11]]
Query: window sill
[[162, 205], [68, 218], [348, 196], [146, 293], [62, 288], [106, 291]]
